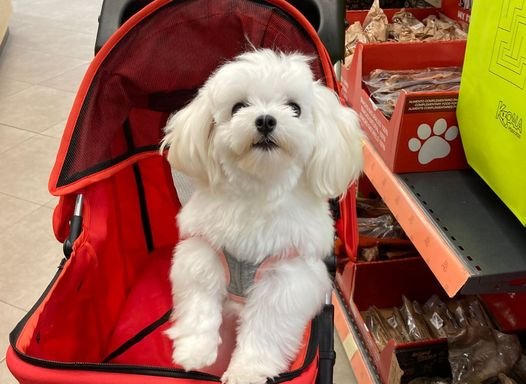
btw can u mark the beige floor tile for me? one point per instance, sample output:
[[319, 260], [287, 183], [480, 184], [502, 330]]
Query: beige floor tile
[[13, 210], [36, 108], [10, 317], [343, 373], [22, 64], [5, 375], [56, 130], [54, 40], [29, 257], [52, 203], [25, 169], [10, 136], [9, 86], [75, 15], [69, 80]]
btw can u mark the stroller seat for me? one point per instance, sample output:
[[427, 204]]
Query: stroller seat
[[101, 319]]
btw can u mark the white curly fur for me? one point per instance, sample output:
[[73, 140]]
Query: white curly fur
[[256, 203]]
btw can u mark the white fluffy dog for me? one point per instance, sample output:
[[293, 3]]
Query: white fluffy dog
[[266, 146]]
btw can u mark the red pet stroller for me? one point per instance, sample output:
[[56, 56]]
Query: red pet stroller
[[101, 319]]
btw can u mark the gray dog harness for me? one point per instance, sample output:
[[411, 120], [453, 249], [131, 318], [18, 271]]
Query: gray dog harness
[[242, 275]]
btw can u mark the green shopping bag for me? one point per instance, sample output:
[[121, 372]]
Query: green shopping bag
[[491, 107]]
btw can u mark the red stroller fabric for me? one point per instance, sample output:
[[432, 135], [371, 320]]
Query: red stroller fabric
[[101, 318]]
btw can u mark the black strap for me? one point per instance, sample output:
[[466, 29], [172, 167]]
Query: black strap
[[138, 337], [140, 190]]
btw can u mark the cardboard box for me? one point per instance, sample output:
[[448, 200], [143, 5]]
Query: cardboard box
[[422, 134], [382, 284]]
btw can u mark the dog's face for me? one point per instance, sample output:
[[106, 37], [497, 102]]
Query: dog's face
[[262, 109], [262, 123]]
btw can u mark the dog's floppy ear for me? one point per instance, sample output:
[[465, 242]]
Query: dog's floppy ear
[[188, 134], [337, 158]]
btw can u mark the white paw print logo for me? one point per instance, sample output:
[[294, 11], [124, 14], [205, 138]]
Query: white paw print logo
[[434, 144]]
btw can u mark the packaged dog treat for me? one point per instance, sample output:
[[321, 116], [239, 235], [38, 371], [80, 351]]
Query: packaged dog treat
[[396, 321], [403, 27], [469, 312], [477, 315], [441, 28], [379, 328], [353, 35], [370, 254], [414, 320], [385, 86], [503, 379], [430, 380], [519, 369], [477, 354], [371, 207], [375, 24], [380, 227], [439, 319]]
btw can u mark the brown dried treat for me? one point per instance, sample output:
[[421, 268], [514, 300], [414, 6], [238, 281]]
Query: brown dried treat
[[377, 326], [370, 254], [476, 313], [399, 32], [393, 255], [396, 321], [371, 207], [430, 380], [405, 26], [385, 86], [375, 23], [353, 35], [519, 369], [480, 353], [439, 319], [384, 226], [414, 320], [505, 379]]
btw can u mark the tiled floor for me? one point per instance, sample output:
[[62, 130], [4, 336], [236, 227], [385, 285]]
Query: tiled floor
[[48, 50]]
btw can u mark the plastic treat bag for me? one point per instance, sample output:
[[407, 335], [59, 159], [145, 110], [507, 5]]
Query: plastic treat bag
[[477, 315], [439, 319], [430, 380], [396, 321], [480, 353], [414, 320], [375, 23], [353, 35], [378, 327], [371, 207], [405, 26], [505, 379], [519, 369], [374, 30], [385, 86], [384, 226]]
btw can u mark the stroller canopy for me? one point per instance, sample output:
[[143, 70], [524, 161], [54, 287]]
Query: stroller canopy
[[153, 65]]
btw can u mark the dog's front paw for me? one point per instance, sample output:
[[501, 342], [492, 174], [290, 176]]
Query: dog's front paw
[[247, 374], [193, 351]]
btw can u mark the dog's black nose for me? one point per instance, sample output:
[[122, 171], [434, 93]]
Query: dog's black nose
[[265, 124]]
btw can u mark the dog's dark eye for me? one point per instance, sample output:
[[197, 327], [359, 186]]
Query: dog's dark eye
[[237, 107], [296, 108]]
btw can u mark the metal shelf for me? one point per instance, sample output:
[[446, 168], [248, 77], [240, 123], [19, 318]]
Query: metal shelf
[[353, 345], [467, 236]]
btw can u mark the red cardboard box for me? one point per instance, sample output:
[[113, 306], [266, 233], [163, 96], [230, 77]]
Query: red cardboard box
[[422, 134], [382, 284]]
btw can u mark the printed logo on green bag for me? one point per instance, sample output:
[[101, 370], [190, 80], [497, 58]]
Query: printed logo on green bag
[[509, 120], [508, 59]]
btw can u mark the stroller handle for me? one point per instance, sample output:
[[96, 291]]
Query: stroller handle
[[326, 16]]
